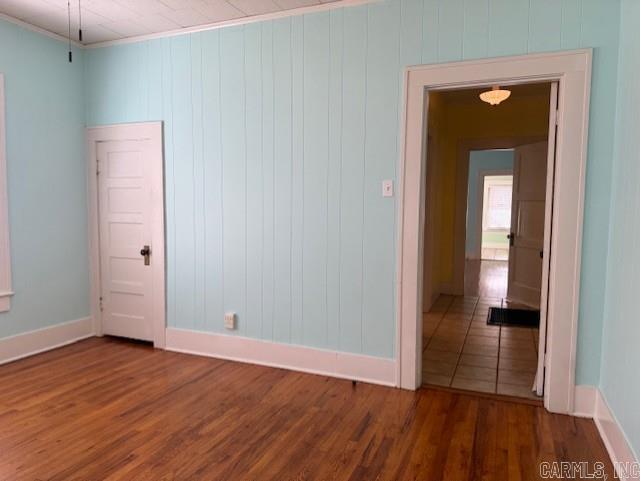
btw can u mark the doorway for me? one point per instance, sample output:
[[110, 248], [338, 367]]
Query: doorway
[[505, 223], [488, 222], [126, 218], [482, 331], [572, 71]]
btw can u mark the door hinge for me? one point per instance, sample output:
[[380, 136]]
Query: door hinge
[[97, 166], [557, 117], [101, 306]]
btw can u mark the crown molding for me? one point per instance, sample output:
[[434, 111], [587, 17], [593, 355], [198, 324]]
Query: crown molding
[[187, 30], [41, 31], [231, 23]]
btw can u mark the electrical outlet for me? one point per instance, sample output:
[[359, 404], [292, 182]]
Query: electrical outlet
[[230, 320]]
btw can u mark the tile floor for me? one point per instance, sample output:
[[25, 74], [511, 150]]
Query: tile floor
[[462, 351]]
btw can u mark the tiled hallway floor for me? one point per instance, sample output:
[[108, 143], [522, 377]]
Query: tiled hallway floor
[[462, 351]]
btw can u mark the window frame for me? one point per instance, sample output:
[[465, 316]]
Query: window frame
[[6, 291], [486, 199]]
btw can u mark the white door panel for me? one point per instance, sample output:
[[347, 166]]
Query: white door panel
[[532, 180], [527, 223], [527, 272], [530, 228], [125, 228]]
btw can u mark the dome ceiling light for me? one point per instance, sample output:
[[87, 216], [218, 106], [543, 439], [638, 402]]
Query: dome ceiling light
[[495, 95]]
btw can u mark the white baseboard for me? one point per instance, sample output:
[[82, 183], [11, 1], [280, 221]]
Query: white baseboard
[[41, 340], [584, 401], [589, 402], [613, 437], [342, 365]]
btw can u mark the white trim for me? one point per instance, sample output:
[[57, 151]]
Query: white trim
[[546, 236], [591, 403], [584, 405], [131, 131], [41, 31], [409, 377], [5, 248], [342, 365], [573, 72], [41, 340], [5, 300], [322, 7], [613, 436]]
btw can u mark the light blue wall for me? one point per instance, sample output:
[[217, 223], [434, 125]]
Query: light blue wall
[[621, 337], [47, 202], [479, 161], [279, 133]]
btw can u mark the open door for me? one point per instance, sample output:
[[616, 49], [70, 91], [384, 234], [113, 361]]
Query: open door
[[530, 237], [548, 212], [526, 239]]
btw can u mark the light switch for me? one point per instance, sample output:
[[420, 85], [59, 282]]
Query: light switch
[[387, 188]]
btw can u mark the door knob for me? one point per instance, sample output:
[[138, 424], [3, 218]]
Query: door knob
[[146, 253]]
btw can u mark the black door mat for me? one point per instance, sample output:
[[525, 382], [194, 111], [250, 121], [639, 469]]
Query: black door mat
[[501, 316]]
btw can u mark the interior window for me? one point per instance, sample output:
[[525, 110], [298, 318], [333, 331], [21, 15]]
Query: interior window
[[498, 207]]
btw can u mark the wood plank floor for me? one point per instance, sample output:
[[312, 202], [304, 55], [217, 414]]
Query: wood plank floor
[[104, 409]]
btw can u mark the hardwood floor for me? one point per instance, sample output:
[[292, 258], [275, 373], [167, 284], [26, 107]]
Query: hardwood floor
[[104, 409], [487, 279]]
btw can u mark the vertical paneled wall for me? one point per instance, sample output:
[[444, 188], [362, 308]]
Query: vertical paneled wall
[[46, 181], [278, 135], [620, 353]]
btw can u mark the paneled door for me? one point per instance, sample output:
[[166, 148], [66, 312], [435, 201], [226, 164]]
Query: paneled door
[[526, 239], [125, 236]]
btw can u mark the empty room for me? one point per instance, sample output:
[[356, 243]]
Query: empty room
[[319, 239]]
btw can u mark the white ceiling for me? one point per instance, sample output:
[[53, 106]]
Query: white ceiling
[[104, 20]]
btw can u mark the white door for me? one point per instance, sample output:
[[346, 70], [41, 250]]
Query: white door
[[527, 224], [548, 209], [125, 231]]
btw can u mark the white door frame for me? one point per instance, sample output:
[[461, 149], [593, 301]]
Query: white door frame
[[572, 70], [6, 291], [480, 204], [135, 131]]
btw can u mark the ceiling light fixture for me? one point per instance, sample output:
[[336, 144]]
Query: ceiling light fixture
[[495, 95]]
